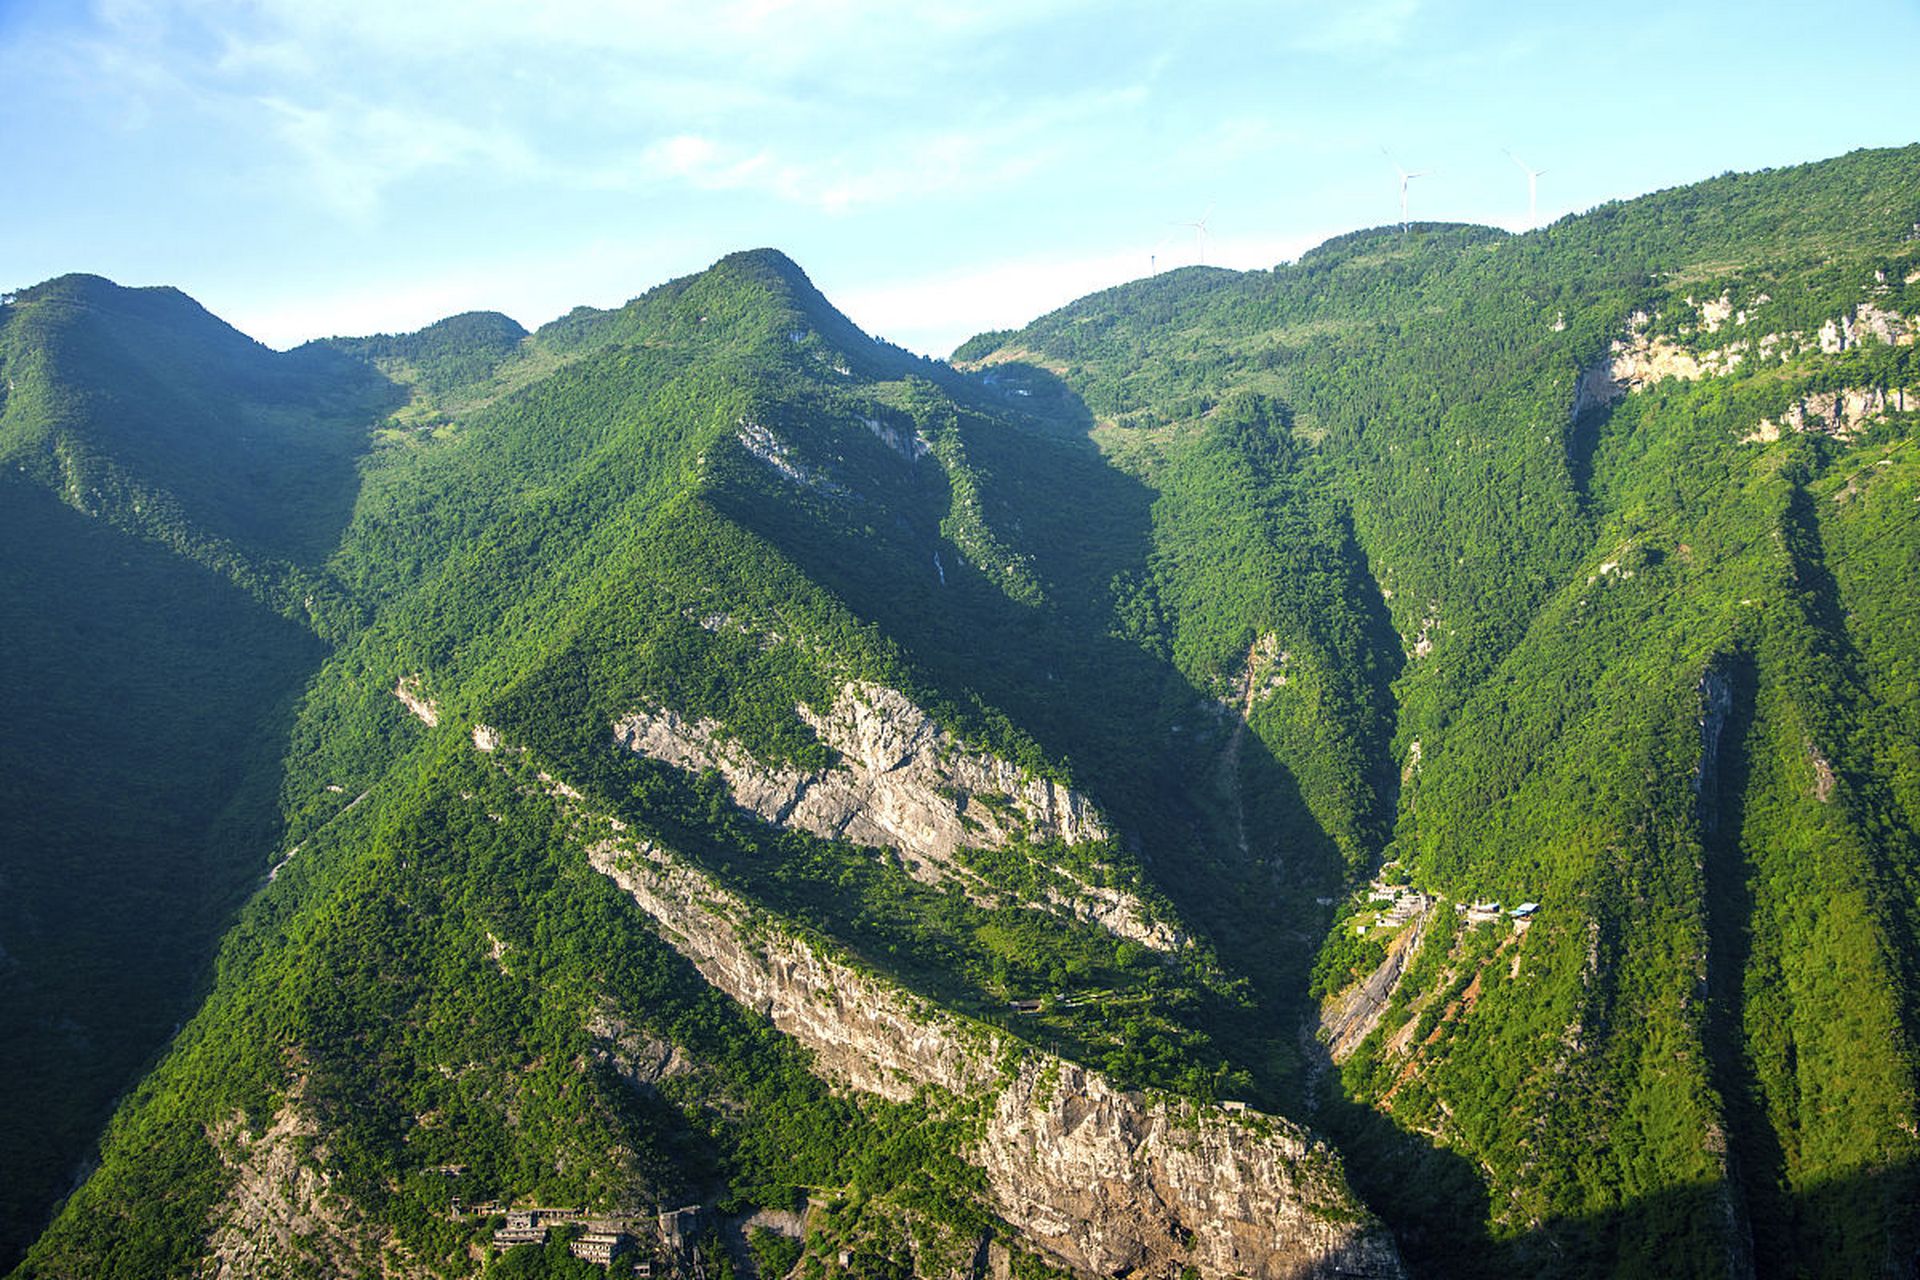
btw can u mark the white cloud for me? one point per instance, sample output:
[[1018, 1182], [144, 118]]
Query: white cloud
[[877, 42], [353, 151], [1354, 26], [708, 165], [828, 104], [908, 162]]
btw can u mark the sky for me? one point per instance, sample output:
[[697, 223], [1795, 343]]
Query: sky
[[315, 167]]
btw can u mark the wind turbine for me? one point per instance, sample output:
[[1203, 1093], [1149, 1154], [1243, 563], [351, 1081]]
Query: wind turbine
[[1405, 178], [1533, 188], [1199, 226]]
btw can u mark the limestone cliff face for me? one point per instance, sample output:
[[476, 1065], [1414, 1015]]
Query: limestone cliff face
[[764, 444], [1843, 413], [1102, 1179], [1641, 358], [907, 784], [1716, 704], [905, 441], [865, 1031], [281, 1214], [1113, 1182], [413, 695], [1351, 1016]]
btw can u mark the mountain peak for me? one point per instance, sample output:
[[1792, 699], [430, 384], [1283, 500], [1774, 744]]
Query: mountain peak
[[783, 282], [81, 293], [752, 297]]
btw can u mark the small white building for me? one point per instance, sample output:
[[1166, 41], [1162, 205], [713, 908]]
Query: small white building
[[599, 1247]]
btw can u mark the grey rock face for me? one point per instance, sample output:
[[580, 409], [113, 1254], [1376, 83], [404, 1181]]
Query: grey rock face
[[907, 784], [1104, 1180], [1111, 1181]]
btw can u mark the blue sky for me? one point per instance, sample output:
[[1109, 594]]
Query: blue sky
[[307, 168]]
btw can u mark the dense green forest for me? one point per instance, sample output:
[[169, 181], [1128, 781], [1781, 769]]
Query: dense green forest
[[1699, 1048], [1442, 567]]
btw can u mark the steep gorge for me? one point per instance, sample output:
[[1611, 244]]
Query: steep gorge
[[1104, 1180]]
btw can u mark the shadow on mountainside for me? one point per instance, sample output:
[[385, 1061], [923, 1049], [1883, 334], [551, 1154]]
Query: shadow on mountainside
[[1136, 734], [149, 702], [1641, 1238], [172, 488], [1437, 1207], [1159, 754]]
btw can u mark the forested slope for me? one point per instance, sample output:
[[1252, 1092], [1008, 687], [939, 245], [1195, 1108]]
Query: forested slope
[[1636, 493], [163, 481]]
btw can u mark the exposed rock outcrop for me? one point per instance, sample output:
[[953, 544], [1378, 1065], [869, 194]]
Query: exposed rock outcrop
[[862, 1030], [1715, 312], [1716, 704], [904, 783], [1115, 1183], [908, 443], [762, 443], [1843, 333], [1841, 414], [1351, 1016], [413, 695], [1823, 775], [1890, 327], [1104, 1180], [1641, 358], [281, 1214], [641, 1058]]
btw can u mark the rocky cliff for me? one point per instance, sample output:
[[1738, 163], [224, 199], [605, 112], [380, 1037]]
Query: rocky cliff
[[1350, 1017], [1641, 358], [281, 1214], [1116, 1183], [863, 1030], [1102, 1179], [907, 784]]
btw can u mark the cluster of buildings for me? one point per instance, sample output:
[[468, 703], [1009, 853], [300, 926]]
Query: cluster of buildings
[[1482, 912], [1398, 904], [1404, 906], [660, 1246]]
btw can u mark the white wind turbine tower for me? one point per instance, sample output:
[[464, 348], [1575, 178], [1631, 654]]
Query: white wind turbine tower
[[1533, 189], [1405, 178], [1199, 226]]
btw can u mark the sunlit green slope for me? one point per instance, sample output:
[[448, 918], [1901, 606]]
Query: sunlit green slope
[[1636, 493]]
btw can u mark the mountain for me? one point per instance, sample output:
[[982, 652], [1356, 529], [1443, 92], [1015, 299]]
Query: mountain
[[1037, 813], [161, 478]]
